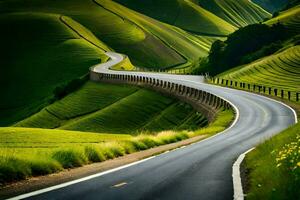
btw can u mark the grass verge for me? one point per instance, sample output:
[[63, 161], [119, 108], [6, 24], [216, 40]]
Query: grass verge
[[274, 167], [20, 160]]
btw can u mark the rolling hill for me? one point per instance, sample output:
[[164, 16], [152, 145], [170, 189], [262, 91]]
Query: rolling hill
[[49, 43], [40, 53], [289, 18], [281, 70], [184, 14], [237, 12], [121, 29], [272, 5], [116, 109]]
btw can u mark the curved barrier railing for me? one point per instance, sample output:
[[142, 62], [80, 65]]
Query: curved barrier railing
[[203, 101]]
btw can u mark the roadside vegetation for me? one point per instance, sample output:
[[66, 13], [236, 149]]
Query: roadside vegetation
[[26, 152], [274, 167]]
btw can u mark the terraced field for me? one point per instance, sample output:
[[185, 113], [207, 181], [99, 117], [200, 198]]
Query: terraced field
[[290, 18], [271, 5], [184, 14], [116, 109], [281, 70], [238, 13], [40, 54], [144, 46]]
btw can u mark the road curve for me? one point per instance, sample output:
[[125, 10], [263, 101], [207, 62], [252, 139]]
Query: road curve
[[199, 171]]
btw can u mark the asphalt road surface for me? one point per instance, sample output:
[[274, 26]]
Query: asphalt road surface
[[199, 171]]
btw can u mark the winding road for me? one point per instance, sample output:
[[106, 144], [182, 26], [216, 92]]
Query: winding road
[[202, 170]]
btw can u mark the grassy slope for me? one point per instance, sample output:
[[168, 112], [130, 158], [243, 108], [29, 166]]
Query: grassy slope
[[275, 167], [183, 13], [184, 44], [40, 54], [115, 109], [280, 70], [125, 36], [271, 5], [237, 12], [290, 18], [46, 151]]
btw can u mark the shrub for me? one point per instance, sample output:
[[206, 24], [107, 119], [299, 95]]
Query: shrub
[[12, 169], [69, 158], [93, 154], [43, 167], [138, 145], [116, 149]]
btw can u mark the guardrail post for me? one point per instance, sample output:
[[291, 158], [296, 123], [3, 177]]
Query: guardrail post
[[275, 91], [204, 96]]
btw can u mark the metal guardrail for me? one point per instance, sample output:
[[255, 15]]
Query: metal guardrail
[[269, 90], [208, 102]]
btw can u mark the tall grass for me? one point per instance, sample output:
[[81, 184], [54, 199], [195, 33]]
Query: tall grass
[[274, 167], [19, 163]]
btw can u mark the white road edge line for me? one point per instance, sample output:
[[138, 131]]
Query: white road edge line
[[238, 193], [55, 187], [236, 173]]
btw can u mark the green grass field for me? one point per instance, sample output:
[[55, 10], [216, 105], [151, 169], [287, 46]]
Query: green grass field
[[184, 14], [290, 18], [272, 5], [275, 167], [280, 70], [104, 108], [238, 13], [143, 46], [26, 152], [40, 54]]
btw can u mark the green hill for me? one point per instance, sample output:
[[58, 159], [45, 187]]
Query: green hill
[[272, 5], [237, 12], [148, 44], [281, 70], [184, 14], [290, 18], [48, 43], [115, 109], [40, 53]]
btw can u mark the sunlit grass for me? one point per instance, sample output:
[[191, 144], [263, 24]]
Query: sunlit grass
[[274, 167], [29, 152]]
